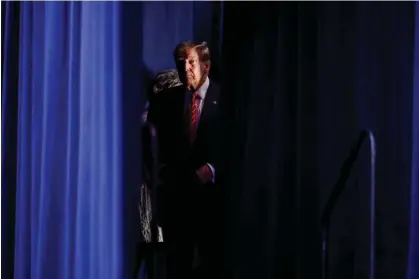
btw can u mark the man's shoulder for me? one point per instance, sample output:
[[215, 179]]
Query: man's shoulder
[[214, 89], [215, 84]]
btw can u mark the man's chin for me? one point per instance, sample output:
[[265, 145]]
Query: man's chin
[[190, 87], [186, 83]]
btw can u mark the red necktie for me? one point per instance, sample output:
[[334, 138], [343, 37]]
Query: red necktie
[[193, 116]]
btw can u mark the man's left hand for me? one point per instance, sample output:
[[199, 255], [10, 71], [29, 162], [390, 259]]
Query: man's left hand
[[204, 174]]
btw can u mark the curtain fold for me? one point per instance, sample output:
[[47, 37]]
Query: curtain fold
[[305, 78], [9, 69], [69, 190]]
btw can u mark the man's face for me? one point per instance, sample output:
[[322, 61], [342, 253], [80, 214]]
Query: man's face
[[192, 72]]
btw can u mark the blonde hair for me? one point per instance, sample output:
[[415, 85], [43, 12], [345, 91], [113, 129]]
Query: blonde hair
[[201, 48]]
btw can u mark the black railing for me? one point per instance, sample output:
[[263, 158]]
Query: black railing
[[334, 197]]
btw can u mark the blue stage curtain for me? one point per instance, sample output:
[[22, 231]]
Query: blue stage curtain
[[73, 81], [69, 162]]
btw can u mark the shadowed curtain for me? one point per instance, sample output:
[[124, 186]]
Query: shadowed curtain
[[303, 79], [300, 79]]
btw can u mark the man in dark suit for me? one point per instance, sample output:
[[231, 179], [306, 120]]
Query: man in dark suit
[[189, 123]]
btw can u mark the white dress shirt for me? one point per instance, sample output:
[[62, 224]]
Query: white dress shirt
[[202, 92]]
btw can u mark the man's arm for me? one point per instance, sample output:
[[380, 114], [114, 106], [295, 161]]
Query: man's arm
[[216, 160]]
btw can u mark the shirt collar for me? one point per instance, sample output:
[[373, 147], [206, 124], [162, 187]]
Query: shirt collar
[[202, 91]]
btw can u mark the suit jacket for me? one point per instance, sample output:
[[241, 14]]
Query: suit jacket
[[167, 113]]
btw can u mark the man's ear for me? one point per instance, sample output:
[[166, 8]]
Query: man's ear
[[206, 67]]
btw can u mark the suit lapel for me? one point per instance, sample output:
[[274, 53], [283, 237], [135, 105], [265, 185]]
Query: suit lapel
[[209, 107], [210, 103]]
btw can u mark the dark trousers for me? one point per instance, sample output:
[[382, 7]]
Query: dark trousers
[[193, 219]]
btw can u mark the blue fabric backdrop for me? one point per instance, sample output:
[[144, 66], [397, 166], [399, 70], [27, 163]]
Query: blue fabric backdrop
[[69, 190], [73, 79]]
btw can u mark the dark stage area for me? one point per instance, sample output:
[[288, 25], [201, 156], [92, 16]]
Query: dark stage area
[[299, 82]]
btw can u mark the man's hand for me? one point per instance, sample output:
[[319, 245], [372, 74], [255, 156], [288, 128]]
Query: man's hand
[[204, 174]]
